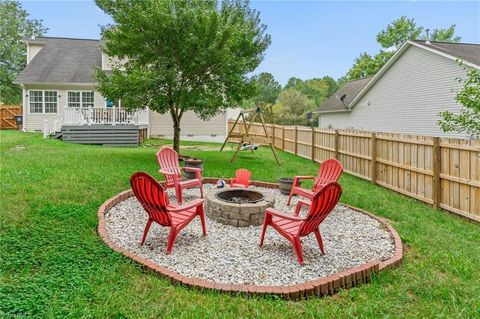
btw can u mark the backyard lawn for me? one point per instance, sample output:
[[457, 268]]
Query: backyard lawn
[[53, 264]]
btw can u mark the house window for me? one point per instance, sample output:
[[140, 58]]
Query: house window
[[73, 99], [36, 101], [80, 99], [87, 99], [50, 102], [43, 102]]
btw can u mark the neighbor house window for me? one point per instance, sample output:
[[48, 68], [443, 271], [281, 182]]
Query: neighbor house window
[[43, 102], [80, 99]]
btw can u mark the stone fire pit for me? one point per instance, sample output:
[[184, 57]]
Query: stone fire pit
[[240, 207]]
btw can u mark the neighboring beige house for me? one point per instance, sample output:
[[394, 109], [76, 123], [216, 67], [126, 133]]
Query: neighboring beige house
[[59, 91], [406, 94]]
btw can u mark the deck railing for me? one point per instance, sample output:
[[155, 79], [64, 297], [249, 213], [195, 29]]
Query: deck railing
[[110, 116]]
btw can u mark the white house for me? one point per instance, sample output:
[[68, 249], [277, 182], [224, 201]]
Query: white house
[[407, 93], [59, 95]]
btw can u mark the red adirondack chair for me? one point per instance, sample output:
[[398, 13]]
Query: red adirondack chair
[[155, 201], [293, 228], [241, 179], [329, 171], [168, 160]]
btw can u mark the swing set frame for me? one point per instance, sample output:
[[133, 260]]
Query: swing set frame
[[246, 137]]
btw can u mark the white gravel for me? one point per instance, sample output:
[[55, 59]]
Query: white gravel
[[231, 254]]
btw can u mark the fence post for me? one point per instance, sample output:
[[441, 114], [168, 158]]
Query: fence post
[[283, 137], [296, 134], [337, 140], [313, 144], [273, 135], [374, 158], [437, 188]]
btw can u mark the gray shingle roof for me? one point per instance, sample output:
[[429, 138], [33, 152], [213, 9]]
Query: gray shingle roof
[[464, 51], [63, 60], [351, 89]]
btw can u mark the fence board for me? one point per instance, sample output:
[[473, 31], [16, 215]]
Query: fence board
[[404, 163], [6, 116]]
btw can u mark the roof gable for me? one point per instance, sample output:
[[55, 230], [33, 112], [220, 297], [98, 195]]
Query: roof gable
[[350, 90], [63, 60], [437, 49]]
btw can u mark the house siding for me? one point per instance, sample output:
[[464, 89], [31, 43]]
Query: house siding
[[33, 50], [35, 122], [192, 127], [407, 98]]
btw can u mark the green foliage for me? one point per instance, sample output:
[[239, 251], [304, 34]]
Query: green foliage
[[292, 106], [54, 265], [332, 85], [391, 38], [468, 120], [266, 93], [442, 35], [399, 31], [366, 65], [181, 55], [15, 25]]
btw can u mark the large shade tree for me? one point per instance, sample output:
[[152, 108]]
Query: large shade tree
[[15, 25], [181, 55]]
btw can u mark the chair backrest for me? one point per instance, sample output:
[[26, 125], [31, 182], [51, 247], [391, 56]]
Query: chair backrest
[[152, 197], [168, 160], [324, 201], [242, 176], [330, 171]]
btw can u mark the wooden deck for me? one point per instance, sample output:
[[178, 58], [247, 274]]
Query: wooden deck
[[109, 135]]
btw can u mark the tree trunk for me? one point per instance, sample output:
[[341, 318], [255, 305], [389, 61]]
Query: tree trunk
[[176, 137]]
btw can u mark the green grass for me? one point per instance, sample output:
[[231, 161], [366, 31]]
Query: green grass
[[53, 264]]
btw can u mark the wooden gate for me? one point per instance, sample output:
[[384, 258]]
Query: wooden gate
[[6, 116]]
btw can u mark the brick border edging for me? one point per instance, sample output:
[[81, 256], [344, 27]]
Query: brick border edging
[[320, 287]]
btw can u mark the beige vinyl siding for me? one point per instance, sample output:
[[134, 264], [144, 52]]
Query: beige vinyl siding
[[33, 50], [109, 62], [34, 121], [407, 98], [192, 127]]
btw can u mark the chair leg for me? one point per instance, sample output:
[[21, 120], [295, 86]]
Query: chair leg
[[178, 194], [145, 232], [297, 248], [319, 240], [201, 190], [171, 239], [264, 229], [202, 219]]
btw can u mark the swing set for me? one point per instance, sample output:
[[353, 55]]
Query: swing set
[[246, 137]]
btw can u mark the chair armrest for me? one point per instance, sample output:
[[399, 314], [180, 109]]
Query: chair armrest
[[274, 212], [296, 179], [192, 204], [198, 171], [167, 172], [301, 203]]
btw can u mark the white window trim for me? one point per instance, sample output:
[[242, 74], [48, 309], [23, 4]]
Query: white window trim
[[43, 102], [81, 98]]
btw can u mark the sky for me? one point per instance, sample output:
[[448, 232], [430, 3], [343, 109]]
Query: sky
[[309, 38]]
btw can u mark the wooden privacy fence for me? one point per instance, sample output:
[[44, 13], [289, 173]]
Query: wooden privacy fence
[[6, 116], [443, 172]]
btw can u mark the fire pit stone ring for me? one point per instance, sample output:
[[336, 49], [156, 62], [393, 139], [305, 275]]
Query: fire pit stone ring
[[236, 207]]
